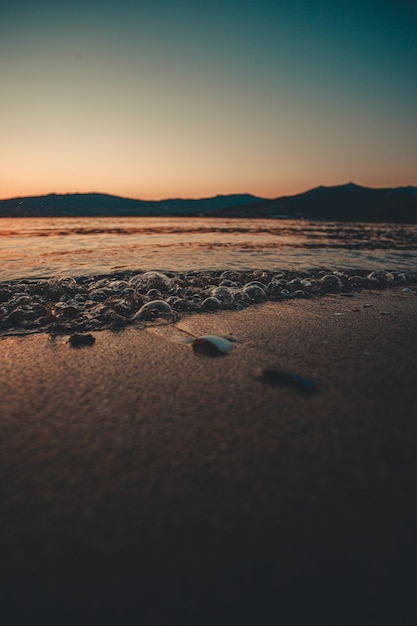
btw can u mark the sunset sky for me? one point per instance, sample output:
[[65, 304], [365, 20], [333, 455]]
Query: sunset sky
[[160, 99]]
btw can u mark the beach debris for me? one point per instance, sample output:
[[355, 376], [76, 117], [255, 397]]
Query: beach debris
[[276, 377], [77, 340], [212, 345]]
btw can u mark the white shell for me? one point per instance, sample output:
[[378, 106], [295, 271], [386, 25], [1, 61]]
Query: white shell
[[213, 344]]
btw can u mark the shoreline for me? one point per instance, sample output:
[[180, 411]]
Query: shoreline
[[143, 481], [67, 305]]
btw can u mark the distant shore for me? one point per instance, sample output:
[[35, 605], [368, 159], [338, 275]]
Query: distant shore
[[145, 483], [347, 203]]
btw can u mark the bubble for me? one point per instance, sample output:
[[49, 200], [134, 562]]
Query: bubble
[[240, 296], [157, 310], [310, 286], [64, 304], [293, 284], [19, 300], [154, 294], [256, 283], [380, 278], [355, 282], [56, 287], [181, 304], [101, 284], [224, 294], [67, 311], [201, 280], [230, 275], [275, 287], [331, 283], [255, 292], [128, 292], [120, 305], [260, 275], [118, 285], [100, 295], [211, 304], [152, 280], [299, 293], [16, 317]]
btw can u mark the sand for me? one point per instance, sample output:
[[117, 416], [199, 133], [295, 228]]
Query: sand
[[143, 483]]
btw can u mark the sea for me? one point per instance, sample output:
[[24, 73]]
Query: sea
[[48, 247], [79, 274]]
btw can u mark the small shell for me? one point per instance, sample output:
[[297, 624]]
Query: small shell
[[212, 345]]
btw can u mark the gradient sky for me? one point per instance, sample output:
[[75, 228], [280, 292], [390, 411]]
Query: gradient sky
[[156, 99]]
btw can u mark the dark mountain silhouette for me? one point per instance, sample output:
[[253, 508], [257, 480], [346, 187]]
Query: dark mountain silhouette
[[104, 205], [348, 202]]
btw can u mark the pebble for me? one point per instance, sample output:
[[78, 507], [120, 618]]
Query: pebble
[[77, 340]]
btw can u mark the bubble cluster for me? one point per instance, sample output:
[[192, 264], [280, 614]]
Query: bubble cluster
[[65, 305]]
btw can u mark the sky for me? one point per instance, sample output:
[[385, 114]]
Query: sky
[[164, 99]]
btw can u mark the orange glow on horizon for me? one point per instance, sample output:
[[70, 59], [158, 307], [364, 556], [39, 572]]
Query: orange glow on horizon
[[136, 101], [190, 191]]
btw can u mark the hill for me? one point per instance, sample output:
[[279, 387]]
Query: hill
[[342, 203], [348, 202], [104, 205]]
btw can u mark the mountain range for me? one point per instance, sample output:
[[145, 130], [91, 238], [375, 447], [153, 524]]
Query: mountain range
[[104, 205], [348, 202]]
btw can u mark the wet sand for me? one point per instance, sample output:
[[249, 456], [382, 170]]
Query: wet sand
[[143, 483]]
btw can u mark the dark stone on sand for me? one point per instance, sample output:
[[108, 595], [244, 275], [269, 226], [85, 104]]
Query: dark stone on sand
[[81, 339]]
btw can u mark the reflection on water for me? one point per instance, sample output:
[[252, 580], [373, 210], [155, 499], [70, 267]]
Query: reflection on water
[[44, 247]]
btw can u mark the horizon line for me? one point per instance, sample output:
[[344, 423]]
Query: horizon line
[[180, 198]]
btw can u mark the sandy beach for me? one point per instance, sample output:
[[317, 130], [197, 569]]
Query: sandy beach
[[144, 483]]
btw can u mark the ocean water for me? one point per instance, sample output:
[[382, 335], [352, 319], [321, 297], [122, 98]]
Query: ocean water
[[72, 275], [47, 247]]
